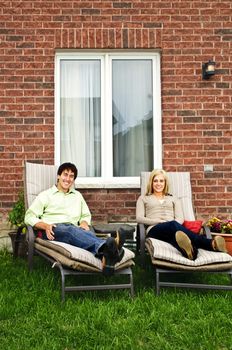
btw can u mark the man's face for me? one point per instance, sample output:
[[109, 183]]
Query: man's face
[[65, 180]]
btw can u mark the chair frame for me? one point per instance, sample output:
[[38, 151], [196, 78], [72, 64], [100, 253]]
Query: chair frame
[[66, 271], [161, 270], [159, 283]]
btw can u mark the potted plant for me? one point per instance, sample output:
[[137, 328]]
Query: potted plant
[[222, 227], [16, 219]]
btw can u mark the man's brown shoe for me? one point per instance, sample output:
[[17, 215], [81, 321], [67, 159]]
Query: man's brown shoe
[[185, 244], [120, 238]]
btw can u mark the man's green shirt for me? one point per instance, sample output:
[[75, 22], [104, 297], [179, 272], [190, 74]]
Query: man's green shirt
[[53, 206]]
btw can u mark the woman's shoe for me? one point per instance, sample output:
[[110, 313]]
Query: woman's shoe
[[219, 244], [185, 245]]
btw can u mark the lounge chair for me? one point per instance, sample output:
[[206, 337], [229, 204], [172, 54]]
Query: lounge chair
[[68, 259], [167, 259]]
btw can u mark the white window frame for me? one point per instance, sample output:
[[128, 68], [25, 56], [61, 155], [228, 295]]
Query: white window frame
[[107, 180]]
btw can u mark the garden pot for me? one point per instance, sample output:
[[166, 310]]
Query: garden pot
[[228, 240], [19, 244]]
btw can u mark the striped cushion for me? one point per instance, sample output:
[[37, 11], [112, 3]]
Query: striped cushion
[[165, 251], [81, 255], [38, 177], [180, 187]]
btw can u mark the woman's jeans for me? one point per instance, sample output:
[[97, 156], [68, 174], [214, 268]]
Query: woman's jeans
[[68, 233], [166, 231]]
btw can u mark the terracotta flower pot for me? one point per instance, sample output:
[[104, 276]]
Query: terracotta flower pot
[[228, 240]]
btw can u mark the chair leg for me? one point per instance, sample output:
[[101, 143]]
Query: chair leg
[[56, 264], [230, 276], [30, 238], [30, 256], [142, 253], [132, 285], [157, 285], [137, 240], [140, 243], [62, 286]]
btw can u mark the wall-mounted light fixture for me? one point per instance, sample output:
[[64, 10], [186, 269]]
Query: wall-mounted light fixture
[[208, 69]]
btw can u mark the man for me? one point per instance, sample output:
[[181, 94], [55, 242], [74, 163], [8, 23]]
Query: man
[[63, 215]]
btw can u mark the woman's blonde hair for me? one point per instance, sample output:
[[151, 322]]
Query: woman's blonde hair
[[154, 173]]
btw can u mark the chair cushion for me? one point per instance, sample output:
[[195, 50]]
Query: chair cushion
[[78, 258], [194, 226], [38, 177], [166, 252]]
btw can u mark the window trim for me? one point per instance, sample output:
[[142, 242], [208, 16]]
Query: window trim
[[106, 57]]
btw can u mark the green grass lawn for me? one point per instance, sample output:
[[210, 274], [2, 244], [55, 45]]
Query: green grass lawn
[[33, 317]]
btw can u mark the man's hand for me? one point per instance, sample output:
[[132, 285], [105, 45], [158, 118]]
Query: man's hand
[[84, 225], [48, 228], [49, 232]]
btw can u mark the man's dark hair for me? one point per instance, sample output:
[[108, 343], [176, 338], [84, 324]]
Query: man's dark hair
[[67, 166]]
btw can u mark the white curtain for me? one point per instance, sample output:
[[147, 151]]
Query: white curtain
[[80, 115], [132, 117]]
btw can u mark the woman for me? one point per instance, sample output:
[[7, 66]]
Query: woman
[[163, 215]]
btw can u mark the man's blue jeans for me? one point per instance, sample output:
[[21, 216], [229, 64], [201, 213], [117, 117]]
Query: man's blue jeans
[[68, 233], [166, 232]]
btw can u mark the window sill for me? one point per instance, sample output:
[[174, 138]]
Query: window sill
[[120, 182]]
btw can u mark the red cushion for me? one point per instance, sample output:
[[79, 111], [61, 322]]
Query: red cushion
[[194, 226]]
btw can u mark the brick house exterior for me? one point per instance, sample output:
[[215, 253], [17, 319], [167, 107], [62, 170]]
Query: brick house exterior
[[196, 113]]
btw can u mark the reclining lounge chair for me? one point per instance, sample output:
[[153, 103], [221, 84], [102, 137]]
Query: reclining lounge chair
[[167, 259], [68, 259]]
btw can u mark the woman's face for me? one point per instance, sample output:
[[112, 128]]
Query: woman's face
[[158, 183]]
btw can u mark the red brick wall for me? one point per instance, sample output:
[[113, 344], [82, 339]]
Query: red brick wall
[[196, 113], [113, 205]]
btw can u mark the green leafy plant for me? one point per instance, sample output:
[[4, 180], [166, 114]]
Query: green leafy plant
[[17, 213]]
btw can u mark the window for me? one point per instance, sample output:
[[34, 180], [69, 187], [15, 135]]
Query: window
[[108, 118]]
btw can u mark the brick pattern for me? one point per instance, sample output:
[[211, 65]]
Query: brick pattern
[[197, 126], [112, 205]]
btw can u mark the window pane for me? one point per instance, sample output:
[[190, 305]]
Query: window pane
[[80, 115], [132, 117]]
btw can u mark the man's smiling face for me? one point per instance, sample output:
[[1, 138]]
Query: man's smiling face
[[65, 180]]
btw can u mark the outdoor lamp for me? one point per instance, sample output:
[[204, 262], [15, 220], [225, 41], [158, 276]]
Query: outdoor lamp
[[208, 69]]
